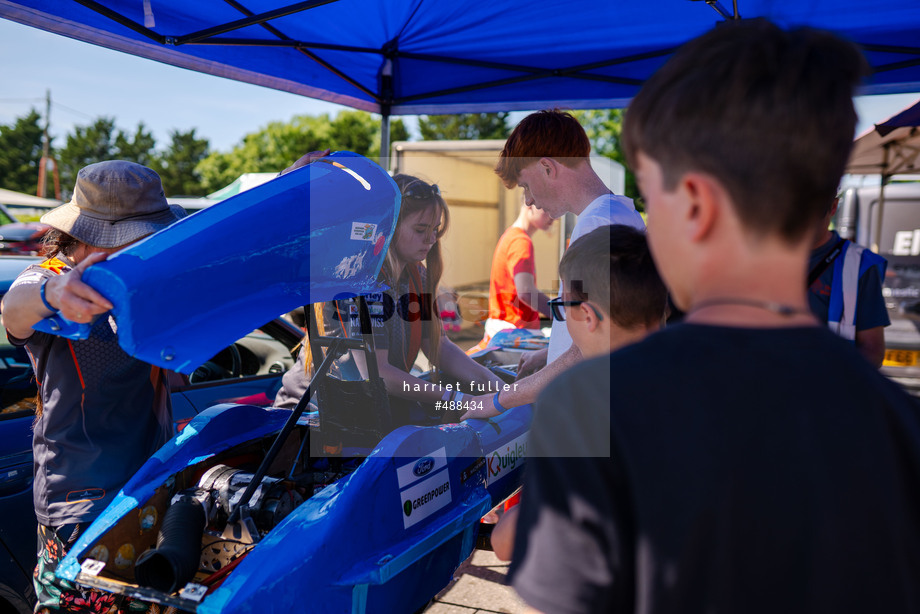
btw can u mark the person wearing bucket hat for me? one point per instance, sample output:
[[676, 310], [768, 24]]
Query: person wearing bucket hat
[[101, 413]]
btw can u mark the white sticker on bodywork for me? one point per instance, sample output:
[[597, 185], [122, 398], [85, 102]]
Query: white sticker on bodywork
[[506, 458], [422, 466], [363, 232], [425, 498], [91, 567], [193, 592]]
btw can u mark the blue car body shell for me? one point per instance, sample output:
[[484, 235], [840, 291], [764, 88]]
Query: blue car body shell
[[310, 235], [386, 538]]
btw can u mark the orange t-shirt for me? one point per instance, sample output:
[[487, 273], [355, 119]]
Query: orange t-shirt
[[513, 254]]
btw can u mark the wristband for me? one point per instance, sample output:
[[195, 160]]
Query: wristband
[[41, 293], [447, 396], [458, 397], [501, 409]]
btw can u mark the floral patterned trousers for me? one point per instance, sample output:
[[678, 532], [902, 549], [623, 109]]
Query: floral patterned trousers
[[57, 595]]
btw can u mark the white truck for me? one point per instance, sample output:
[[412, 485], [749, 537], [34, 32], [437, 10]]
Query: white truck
[[897, 239]]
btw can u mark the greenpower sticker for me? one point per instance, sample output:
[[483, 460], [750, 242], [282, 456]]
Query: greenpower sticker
[[425, 498]]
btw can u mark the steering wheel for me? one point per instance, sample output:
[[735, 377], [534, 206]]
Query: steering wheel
[[212, 370]]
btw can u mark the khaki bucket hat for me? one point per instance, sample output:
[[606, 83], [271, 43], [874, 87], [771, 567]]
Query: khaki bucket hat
[[114, 203]]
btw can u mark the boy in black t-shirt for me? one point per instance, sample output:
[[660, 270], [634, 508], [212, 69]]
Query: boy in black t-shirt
[[612, 297], [748, 459]]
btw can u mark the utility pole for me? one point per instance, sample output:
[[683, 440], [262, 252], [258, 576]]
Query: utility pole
[[46, 155]]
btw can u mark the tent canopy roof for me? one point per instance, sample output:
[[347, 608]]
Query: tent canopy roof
[[9, 197], [447, 56], [891, 147]]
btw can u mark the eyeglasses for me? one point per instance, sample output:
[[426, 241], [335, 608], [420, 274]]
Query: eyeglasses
[[421, 190], [557, 308]]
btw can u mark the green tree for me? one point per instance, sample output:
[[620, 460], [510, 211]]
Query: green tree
[[359, 132], [355, 131], [269, 149], [101, 141], [274, 147], [605, 129], [398, 131], [466, 126], [177, 164], [139, 147], [20, 153], [86, 145]]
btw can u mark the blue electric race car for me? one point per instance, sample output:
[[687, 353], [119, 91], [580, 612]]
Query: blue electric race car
[[253, 509]]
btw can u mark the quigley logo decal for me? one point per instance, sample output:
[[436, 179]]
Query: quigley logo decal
[[423, 466], [506, 458]]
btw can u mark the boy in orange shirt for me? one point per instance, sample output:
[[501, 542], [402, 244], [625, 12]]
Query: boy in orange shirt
[[514, 300]]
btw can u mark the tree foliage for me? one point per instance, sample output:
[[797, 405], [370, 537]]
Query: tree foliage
[[464, 126], [186, 165], [605, 129], [20, 153], [100, 141], [275, 146], [398, 131], [177, 164]]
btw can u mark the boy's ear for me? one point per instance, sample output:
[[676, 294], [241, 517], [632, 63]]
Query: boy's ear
[[589, 317], [705, 198], [548, 167]]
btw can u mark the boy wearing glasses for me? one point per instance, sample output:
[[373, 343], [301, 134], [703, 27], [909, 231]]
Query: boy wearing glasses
[[612, 298], [612, 294], [749, 459]]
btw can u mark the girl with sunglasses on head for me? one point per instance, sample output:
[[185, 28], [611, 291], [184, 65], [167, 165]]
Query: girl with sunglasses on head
[[405, 318]]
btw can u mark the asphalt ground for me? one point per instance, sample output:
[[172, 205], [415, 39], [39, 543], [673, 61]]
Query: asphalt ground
[[478, 588], [479, 584]]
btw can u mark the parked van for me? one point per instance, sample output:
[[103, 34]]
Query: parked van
[[898, 241]]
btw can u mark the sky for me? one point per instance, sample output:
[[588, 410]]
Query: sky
[[88, 81]]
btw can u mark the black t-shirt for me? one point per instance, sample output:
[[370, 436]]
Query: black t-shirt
[[392, 315], [749, 470]]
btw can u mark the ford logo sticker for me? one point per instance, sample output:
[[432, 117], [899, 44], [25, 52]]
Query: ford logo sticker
[[423, 466]]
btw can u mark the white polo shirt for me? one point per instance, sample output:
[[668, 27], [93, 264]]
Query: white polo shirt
[[603, 211]]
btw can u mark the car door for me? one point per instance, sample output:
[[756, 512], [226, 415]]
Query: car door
[[265, 354], [17, 516], [248, 372]]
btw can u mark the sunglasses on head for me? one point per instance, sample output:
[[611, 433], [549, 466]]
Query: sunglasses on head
[[421, 190], [557, 308]]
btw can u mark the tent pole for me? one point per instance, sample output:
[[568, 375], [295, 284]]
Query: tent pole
[[386, 102], [877, 230], [385, 141]]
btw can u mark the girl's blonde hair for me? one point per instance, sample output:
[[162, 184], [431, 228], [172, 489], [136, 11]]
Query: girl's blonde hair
[[418, 195]]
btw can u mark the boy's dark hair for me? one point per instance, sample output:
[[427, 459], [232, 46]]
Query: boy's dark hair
[[550, 133], [768, 113], [612, 267]]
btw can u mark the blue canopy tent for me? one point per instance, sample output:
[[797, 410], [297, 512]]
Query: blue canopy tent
[[400, 57]]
